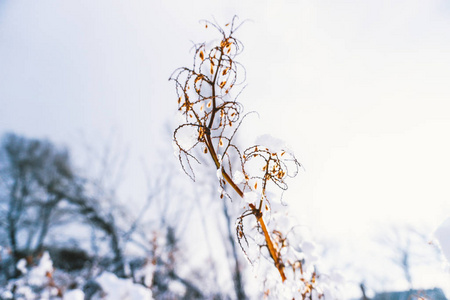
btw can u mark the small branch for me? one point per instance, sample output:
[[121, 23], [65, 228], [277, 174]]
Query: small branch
[[273, 253]]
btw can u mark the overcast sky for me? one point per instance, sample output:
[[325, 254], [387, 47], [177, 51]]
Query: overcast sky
[[359, 90]]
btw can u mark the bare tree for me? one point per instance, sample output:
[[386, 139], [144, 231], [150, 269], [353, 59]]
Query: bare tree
[[37, 178], [226, 217], [408, 247], [41, 192], [28, 166], [237, 268]]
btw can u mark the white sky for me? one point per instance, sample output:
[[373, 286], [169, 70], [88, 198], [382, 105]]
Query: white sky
[[359, 89]]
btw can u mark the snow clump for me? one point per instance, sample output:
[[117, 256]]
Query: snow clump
[[38, 275], [274, 144], [74, 295], [122, 289], [187, 137], [238, 177], [250, 197]]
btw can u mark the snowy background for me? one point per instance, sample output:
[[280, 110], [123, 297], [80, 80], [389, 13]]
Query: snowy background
[[359, 91]]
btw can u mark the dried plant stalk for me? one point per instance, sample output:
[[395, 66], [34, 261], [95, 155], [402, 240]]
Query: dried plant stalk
[[211, 119]]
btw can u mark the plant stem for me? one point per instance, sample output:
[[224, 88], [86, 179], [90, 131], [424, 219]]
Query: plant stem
[[257, 213]]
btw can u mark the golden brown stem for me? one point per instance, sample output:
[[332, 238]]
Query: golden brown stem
[[273, 253], [257, 213]]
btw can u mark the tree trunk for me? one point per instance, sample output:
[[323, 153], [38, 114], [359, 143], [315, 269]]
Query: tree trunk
[[237, 276]]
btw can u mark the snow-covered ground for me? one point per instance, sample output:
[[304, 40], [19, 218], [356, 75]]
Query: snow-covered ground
[[39, 282]]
